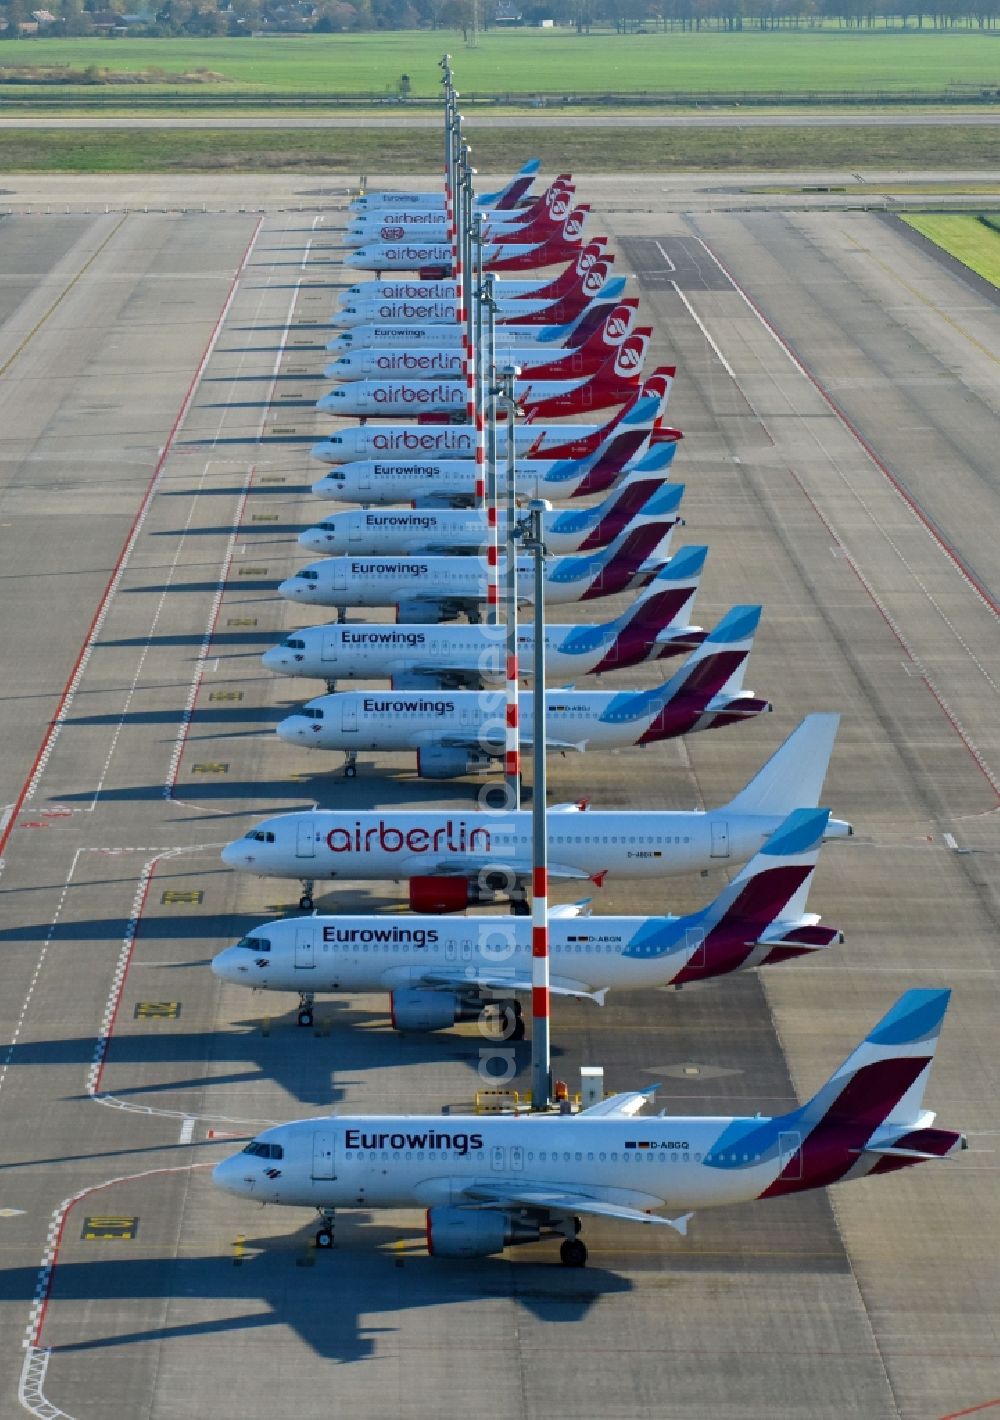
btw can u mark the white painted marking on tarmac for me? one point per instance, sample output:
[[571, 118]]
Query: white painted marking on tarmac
[[707, 334], [670, 264], [949, 838], [11, 1048], [187, 1130], [187, 714]]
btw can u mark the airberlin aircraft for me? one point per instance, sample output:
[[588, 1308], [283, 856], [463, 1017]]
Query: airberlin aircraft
[[441, 970], [504, 199], [537, 339], [532, 439], [488, 1182], [613, 383], [461, 732], [403, 223], [537, 291], [506, 253], [544, 362], [452, 860], [421, 531], [427, 656], [442, 588]]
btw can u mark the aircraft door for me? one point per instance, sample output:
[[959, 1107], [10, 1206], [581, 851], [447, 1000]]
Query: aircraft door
[[305, 958], [339, 575], [354, 529], [305, 845], [349, 716], [790, 1153], [694, 939], [516, 1158], [365, 481], [330, 644], [498, 1158], [324, 1159], [720, 838]]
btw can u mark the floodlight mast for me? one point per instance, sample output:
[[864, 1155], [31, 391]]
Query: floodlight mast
[[512, 747]]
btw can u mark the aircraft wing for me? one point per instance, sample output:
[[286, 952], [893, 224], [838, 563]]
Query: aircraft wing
[[471, 672], [565, 1200], [499, 981], [469, 865], [626, 1104]]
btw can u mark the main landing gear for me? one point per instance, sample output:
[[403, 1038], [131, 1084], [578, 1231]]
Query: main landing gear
[[572, 1250], [305, 1016], [331, 686], [324, 1234], [341, 615], [573, 1253], [306, 900]]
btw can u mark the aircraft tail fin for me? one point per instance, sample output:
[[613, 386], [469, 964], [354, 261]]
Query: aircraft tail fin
[[793, 776], [718, 665], [509, 195]]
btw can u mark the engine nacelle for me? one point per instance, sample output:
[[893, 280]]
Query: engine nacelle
[[438, 762], [441, 894], [420, 1010], [423, 1010], [410, 611], [468, 1232]]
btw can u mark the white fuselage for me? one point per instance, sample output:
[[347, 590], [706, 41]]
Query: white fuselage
[[536, 339], [388, 397], [354, 651], [431, 361], [400, 844], [441, 531], [436, 482], [413, 1161], [446, 441], [360, 954]]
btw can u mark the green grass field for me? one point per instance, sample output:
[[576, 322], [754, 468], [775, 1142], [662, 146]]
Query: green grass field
[[544, 62], [404, 151], [974, 242]]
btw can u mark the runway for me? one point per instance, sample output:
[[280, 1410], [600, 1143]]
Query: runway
[[552, 115], [837, 390]]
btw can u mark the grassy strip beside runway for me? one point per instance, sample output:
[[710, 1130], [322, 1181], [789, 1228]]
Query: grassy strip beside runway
[[400, 151], [828, 61], [970, 239]]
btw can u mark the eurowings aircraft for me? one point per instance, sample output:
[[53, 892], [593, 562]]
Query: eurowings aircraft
[[420, 531], [503, 199], [453, 860], [536, 219], [461, 732], [491, 1181], [455, 654], [536, 362], [442, 588], [442, 970], [406, 335]]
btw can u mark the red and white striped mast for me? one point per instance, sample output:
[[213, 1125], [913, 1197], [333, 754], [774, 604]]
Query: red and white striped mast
[[541, 1066]]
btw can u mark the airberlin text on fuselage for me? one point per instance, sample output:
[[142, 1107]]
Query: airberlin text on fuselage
[[449, 392], [412, 311], [444, 441], [450, 837]]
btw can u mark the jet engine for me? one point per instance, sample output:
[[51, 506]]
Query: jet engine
[[438, 762], [418, 1010], [409, 611], [467, 1232]]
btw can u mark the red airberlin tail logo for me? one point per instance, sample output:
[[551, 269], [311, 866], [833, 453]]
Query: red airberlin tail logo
[[595, 279], [560, 206], [587, 258], [573, 225], [630, 356], [618, 324]]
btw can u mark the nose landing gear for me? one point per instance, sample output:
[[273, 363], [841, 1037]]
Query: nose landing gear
[[306, 900], [350, 764], [324, 1234], [305, 1016]]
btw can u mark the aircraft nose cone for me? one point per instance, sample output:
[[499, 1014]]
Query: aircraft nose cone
[[223, 966], [232, 854], [273, 660], [290, 729], [227, 1176], [292, 589], [316, 540]]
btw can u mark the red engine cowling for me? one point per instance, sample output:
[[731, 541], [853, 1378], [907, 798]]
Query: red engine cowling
[[439, 895]]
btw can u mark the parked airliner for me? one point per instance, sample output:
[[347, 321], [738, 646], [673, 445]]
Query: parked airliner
[[487, 1182], [420, 531], [441, 970], [462, 732], [443, 588], [454, 859], [505, 198], [455, 654]]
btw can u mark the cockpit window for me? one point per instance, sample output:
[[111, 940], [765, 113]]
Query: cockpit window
[[311, 712], [255, 944], [308, 576], [259, 836], [295, 643], [264, 1151]]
